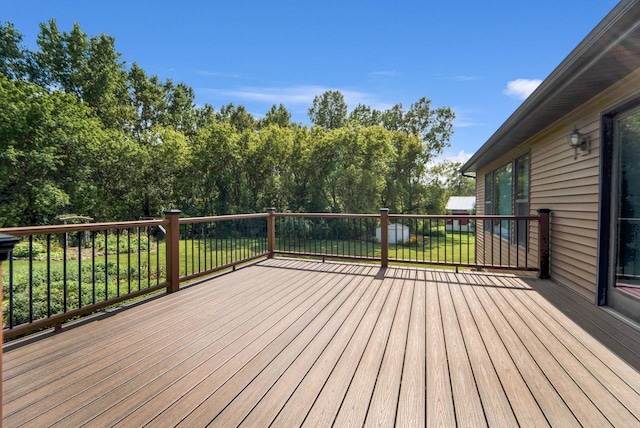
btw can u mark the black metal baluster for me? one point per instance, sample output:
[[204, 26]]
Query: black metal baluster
[[48, 275], [80, 238], [438, 242], [526, 243], [129, 261], [106, 265], [204, 236], [184, 238], [158, 257], [517, 247], [460, 242], [93, 266], [139, 260], [337, 237], [11, 287], [215, 236], [64, 271], [500, 243], [417, 244], [30, 278], [118, 262], [423, 243], [199, 247], [192, 236], [509, 223], [469, 221], [148, 230]]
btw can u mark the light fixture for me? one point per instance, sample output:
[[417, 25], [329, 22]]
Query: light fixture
[[578, 141]]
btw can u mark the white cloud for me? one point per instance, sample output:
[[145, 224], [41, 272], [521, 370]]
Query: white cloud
[[465, 117], [219, 74], [296, 95], [461, 156], [385, 73], [463, 78], [521, 88], [465, 123]]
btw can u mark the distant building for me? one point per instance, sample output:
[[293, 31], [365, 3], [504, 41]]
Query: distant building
[[397, 233], [460, 205]]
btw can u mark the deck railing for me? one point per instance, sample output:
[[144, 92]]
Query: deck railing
[[495, 242], [211, 244], [56, 273]]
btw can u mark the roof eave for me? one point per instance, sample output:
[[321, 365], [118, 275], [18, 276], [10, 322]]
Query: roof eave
[[558, 93]]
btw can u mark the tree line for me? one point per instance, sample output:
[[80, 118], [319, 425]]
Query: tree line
[[83, 132]]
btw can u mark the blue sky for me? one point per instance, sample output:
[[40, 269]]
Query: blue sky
[[477, 57]]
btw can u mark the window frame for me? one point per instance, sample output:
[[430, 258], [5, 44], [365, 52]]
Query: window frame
[[522, 206], [517, 231]]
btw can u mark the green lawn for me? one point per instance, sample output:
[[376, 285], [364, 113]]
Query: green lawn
[[457, 248], [121, 273]]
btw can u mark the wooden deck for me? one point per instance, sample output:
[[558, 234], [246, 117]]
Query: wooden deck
[[288, 343]]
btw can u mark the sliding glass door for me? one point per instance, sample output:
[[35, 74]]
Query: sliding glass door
[[627, 204]]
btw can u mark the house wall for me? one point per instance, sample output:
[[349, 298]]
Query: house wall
[[568, 186]]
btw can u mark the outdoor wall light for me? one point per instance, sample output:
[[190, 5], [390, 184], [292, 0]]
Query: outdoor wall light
[[578, 141]]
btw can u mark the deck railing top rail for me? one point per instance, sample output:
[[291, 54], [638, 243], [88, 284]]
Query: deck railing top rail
[[327, 215], [464, 216], [68, 228], [211, 219]]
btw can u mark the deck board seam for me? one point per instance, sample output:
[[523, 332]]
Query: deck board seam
[[131, 365]]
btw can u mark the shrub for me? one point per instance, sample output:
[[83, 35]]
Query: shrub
[[21, 250], [57, 286], [113, 244]]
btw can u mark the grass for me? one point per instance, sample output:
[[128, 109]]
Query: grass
[[42, 288], [90, 280], [454, 249]]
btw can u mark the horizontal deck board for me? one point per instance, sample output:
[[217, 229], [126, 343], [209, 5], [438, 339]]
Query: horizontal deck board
[[289, 342]]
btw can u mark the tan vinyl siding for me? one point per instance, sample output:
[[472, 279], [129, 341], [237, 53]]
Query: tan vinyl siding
[[569, 187]]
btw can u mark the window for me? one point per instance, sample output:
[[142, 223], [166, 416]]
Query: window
[[502, 197], [488, 199], [521, 205], [507, 193]]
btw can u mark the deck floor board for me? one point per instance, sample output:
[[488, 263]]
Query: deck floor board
[[289, 342]]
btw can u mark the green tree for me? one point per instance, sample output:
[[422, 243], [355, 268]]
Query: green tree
[[444, 180], [16, 61], [405, 191], [329, 110], [216, 171], [351, 165], [433, 127], [46, 143], [365, 116], [165, 155], [104, 83], [62, 59], [266, 166], [147, 98], [118, 177], [365, 157], [180, 107], [279, 116], [237, 117]]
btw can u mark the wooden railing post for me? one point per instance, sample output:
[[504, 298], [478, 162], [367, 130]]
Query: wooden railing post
[[271, 232], [6, 245], [173, 250], [544, 228], [384, 237]]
